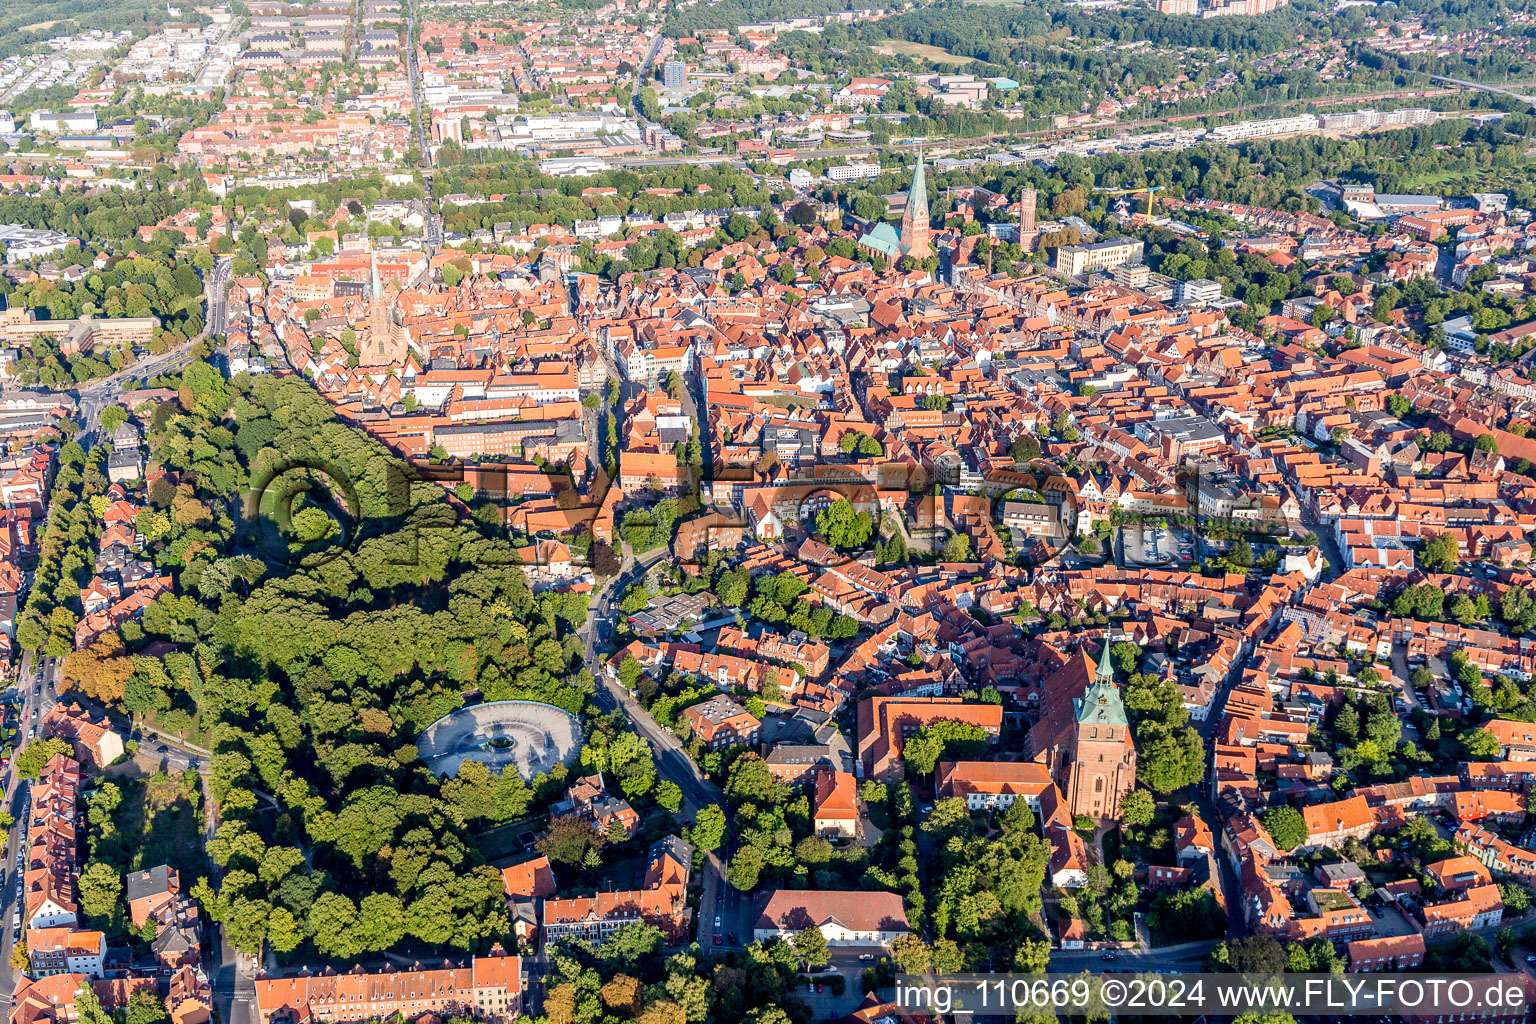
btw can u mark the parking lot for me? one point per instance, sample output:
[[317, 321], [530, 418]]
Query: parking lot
[[825, 1005], [1157, 544]]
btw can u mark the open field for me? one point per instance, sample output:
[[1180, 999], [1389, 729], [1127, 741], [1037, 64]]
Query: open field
[[932, 54], [39, 26], [1438, 178]]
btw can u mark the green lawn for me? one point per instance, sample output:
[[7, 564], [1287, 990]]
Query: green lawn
[[1438, 178], [502, 841]]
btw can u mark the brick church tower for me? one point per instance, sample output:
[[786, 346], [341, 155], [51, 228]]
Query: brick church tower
[[914, 219], [1102, 753]]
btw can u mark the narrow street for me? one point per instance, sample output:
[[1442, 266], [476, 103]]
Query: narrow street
[[35, 691], [1402, 676], [672, 760], [1188, 956]]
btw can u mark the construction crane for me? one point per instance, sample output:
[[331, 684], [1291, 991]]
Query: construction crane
[[1148, 189]]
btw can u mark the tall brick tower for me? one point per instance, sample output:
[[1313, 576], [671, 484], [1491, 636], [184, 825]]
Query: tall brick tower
[[1103, 754], [914, 220]]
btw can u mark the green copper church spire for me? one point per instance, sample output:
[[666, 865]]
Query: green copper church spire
[[1106, 669], [1100, 703], [914, 219], [917, 197]]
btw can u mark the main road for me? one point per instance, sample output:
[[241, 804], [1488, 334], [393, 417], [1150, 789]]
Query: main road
[[413, 73], [434, 239], [35, 691], [672, 761], [642, 73]]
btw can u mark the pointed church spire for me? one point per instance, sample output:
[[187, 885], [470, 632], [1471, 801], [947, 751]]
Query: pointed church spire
[[1106, 670], [375, 285], [1100, 703], [914, 219], [917, 197]]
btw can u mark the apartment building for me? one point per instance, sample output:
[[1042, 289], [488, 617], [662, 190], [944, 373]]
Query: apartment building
[[721, 722], [48, 884], [835, 804], [1333, 824], [51, 999], [155, 895], [490, 989], [590, 800], [1517, 740], [1456, 873], [991, 785], [65, 950], [869, 919], [1478, 907], [96, 743], [661, 902], [884, 723], [1388, 953]]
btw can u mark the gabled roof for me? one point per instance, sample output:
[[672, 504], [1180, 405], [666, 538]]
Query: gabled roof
[[532, 879], [795, 910]]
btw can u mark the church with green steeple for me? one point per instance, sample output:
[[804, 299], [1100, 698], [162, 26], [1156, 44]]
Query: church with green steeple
[[1100, 704], [914, 219], [882, 239], [1084, 737]]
